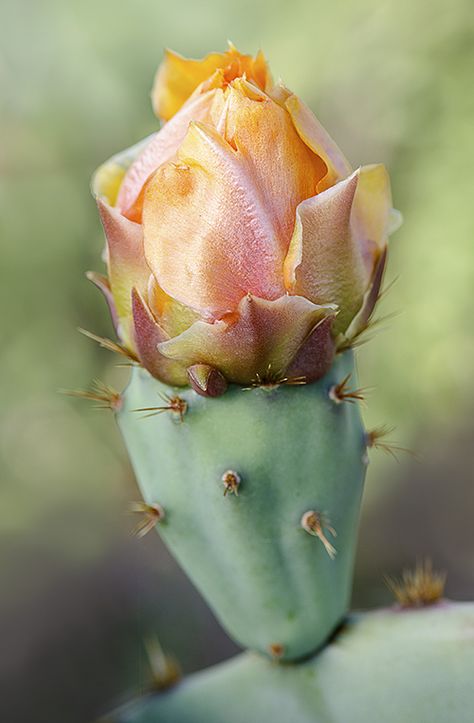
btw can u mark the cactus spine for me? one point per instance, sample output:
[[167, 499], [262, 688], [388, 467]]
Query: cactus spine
[[254, 486]]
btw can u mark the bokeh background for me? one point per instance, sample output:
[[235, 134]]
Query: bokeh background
[[392, 81]]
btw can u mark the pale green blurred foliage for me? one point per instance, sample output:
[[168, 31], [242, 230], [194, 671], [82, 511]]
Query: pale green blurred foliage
[[392, 81]]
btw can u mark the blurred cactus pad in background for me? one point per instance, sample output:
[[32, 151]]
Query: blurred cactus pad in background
[[389, 80]]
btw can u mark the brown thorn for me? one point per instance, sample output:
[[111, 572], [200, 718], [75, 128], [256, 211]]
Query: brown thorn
[[387, 289], [110, 345], [370, 330], [418, 587], [342, 393], [314, 523], [376, 439], [272, 381], [177, 405], [152, 514], [106, 395]]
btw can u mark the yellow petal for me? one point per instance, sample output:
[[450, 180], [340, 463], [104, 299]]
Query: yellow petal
[[108, 177], [372, 211], [178, 77], [318, 139], [209, 236], [258, 342]]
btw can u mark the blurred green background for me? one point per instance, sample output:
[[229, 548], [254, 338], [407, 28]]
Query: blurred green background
[[392, 81]]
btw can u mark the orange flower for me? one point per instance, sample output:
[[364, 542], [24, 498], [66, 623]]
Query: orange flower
[[238, 235]]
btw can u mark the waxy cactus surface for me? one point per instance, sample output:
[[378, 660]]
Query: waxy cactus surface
[[387, 666], [261, 491]]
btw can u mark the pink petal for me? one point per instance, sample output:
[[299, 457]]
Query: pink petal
[[206, 380], [147, 335], [126, 263], [209, 236], [315, 355], [161, 148], [259, 341], [325, 261]]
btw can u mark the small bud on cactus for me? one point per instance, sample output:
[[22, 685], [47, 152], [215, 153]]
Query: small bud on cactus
[[238, 236]]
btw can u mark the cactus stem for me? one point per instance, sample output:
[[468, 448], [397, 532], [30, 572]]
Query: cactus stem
[[231, 481], [341, 392], [151, 515], [110, 345], [419, 587], [106, 396], [376, 439], [314, 523], [176, 405], [276, 650]]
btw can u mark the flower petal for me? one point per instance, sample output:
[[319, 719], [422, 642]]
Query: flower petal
[[315, 355], [361, 319], [160, 149], [325, 261], [126, 263], [178, 77], [108, 177], [209, 237], [206, 380], [259, 341], [147, 335], [372, 211], [173, 316], [318, 139], [283, 169]]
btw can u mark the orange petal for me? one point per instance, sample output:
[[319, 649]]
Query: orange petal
[[325, 261], [318, 139], [209, 234], [126, 264], [160, 149], [178, 77], [148, 334], [283, 169], [259, 341]]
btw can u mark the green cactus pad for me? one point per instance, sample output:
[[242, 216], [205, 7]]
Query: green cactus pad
[[287, 450], [388, 666]]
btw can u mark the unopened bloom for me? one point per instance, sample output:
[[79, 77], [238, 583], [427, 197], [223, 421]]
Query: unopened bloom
[[238, 236]]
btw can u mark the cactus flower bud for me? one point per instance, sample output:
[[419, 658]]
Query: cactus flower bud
[[238, 236]]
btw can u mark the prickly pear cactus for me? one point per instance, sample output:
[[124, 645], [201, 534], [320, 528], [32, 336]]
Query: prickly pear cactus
[[389, 666], [257, 494]]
